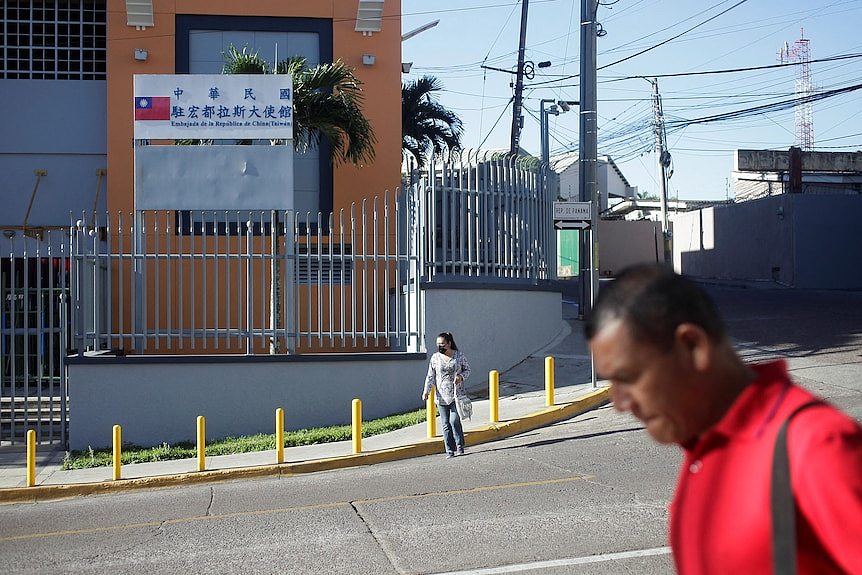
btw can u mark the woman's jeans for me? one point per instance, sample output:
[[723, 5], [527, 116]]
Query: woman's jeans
[[453, 433]]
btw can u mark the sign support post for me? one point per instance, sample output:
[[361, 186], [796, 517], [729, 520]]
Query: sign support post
[[582, 216]]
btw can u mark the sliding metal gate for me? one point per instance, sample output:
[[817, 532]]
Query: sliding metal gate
[[33, 337]]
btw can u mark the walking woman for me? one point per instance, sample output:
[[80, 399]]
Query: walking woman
[[447, 371]]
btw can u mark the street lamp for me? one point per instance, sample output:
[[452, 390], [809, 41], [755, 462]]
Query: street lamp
[[557, 107], [405, 66]]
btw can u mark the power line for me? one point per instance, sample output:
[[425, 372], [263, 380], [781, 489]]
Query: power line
[[505, 108], [654, 46], [773, 107], [731, 70], [703, 72]]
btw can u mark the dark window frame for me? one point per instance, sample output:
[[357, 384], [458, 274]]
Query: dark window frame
[[185, 23]]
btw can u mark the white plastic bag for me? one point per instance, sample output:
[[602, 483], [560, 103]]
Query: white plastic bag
[[464, 407]]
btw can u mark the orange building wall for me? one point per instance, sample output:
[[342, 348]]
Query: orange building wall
[[381, 83]]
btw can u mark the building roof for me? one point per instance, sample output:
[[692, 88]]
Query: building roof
[[627, 206], [562, 162]]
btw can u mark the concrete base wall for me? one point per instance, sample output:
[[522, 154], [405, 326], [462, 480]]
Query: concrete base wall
[[494, 328], [157, 399]]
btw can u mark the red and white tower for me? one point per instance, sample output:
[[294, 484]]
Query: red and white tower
[[799, 53]]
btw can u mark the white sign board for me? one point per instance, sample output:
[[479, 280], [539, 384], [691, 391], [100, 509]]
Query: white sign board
[[214, 177], [190, 106], [573, 211]]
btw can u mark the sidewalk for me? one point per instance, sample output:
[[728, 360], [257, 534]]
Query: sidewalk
[[521, 408]]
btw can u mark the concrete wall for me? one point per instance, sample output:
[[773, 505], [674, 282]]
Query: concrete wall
[[806, 241], [58, 126], [827, 241], [623, 243], [750, 240], [156, 399], [496, 328]]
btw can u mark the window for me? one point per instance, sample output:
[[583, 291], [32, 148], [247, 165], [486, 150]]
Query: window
[[53, 40], [201, 43]]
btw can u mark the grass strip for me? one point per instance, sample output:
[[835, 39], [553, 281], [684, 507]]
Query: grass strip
[[244, 444]]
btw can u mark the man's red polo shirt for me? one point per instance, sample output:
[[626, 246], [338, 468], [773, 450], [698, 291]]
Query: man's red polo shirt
[[720, 515]]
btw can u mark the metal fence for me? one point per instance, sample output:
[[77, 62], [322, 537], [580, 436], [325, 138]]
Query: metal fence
[[34, 291], [181, 282], [248, 282], [488, 216]]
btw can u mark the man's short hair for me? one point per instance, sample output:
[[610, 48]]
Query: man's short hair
[[653, 300]]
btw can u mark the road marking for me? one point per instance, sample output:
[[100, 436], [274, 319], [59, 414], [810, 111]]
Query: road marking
[[333, 505], [562, 562]]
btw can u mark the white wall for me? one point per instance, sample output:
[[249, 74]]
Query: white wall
[[494, 328]]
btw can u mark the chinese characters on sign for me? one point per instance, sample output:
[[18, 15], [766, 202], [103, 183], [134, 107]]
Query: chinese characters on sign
[[182, 106]]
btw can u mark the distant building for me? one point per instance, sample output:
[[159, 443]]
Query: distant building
[[763, 173], [613, 185], [650, 209]]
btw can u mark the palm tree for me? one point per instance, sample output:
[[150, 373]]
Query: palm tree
[[327, 101], [425, 124]]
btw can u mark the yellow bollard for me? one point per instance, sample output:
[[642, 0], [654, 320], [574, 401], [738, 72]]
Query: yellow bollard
[[279, 435], [118, 446], [494, 395], [431, 415], [549, 381], [202, 440], [357, 426], [31, 458]]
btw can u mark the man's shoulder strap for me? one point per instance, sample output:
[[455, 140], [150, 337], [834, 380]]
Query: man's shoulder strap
[[782, 502]]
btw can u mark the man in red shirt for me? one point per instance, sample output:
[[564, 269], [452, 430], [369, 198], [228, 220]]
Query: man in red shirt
[[661, 343]]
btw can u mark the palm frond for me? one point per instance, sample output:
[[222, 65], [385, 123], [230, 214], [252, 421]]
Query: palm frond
[[243, 61], [425, 124], [327, 102]]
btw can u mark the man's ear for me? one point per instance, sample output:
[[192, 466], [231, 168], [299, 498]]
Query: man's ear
[[695, 342]]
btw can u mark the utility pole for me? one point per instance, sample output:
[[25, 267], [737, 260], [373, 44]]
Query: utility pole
[[663, 160], [519, 82], [588, 154]]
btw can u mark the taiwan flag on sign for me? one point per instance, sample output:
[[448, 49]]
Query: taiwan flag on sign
[[152, 108]]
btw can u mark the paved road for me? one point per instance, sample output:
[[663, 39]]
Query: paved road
[[551, 494], [589, 495]]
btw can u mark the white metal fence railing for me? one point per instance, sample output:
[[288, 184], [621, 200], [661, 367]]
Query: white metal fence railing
[[34, 293], [489, 217], [247, 282], [185, 282]]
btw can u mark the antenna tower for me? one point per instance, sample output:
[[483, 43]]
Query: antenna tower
[[800, 53]]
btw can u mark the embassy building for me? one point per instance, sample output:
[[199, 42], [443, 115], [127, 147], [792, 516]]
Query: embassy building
[[67, 151]]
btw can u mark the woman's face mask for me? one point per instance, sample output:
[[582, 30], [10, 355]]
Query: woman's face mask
[[441, 348]]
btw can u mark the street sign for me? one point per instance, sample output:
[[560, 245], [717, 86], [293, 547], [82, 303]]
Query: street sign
[[573, 211], [571, 225]]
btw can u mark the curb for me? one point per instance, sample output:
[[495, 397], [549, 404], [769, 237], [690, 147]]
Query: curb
[[492, 432]]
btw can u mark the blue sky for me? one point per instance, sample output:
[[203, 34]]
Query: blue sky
[[473, 32]]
